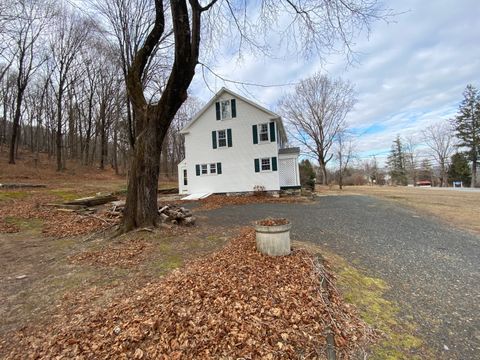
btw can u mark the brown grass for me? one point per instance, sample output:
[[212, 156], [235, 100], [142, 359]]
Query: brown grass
[[460, 208]]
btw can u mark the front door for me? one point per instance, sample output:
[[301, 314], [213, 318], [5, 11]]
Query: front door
[[183, 181]]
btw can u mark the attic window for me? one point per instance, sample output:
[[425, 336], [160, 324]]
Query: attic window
[[225, 109], [263, 135]]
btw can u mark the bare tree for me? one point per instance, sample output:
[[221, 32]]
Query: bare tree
[[440, 140], [70, 33], [411, 157], [344, 155], [29, 20], [316, 114]]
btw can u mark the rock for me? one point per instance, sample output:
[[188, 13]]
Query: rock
[[20, 277], [117, 330], [190, 220]]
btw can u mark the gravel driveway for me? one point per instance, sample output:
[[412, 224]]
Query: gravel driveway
[[433, 269]]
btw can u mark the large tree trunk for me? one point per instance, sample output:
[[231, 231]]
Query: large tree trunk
[[141, 206], [323, 169], [16, 123]]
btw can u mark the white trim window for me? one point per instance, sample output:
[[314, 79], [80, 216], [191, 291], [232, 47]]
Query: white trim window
[[213, 168], [222, 138], [225, 109], [265, 164], [263, 133], [204, 169]]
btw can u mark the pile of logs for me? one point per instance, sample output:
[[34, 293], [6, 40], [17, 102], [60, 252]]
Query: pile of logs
[[169, 214], [174, 214]]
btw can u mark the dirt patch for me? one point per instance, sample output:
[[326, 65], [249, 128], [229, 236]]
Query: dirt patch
[[125, 254], [233, 303], [218, 201]]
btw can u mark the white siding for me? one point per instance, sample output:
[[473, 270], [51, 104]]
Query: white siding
[[238, 170]]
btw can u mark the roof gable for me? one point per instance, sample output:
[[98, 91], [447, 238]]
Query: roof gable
[[223, 90]]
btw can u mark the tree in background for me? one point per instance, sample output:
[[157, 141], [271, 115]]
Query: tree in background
[[439, 138], [467, 127], [344, 154], [396, 163], [411, 158], [316, 114], [307, 174], [426, 171], [459, 170]]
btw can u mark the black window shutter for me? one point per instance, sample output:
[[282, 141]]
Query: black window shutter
[[197, 170], [255, 134], [274, 163], [229, 137], [233, 104], [219, 168], [257, 165], [272, 131], [214, 139], [217, 108]]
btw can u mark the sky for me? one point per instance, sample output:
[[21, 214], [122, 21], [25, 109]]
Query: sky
[[410, 72]]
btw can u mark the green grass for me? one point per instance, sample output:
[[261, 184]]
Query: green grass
[[65, 194], [13, 195]]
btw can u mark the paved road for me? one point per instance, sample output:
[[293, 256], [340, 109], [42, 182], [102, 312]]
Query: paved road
[[433, 269]]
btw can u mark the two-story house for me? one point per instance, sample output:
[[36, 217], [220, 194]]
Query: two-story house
[[235, 145]]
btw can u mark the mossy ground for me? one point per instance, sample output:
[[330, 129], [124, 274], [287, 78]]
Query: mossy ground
[[398, 336]]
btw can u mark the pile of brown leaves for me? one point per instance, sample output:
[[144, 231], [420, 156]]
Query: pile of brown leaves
[[125, 254], [55, 222], [272, 222], [234, 303], [218, 201]]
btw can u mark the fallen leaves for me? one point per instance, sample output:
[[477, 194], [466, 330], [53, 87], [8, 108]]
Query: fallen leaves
[[273, 222], [235, 303], [55, 223], [125, 254], [218, 201]]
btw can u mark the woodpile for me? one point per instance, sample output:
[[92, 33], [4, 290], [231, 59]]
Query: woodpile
[[169, 214]]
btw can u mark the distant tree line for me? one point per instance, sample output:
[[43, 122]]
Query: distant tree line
[[453, 145]]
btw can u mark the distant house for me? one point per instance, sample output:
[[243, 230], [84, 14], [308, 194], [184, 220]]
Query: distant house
[[235, 145]]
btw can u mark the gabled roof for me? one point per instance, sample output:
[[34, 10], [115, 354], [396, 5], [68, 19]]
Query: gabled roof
[[273, 116]]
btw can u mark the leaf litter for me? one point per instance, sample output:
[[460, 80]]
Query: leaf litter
[[234, 303]]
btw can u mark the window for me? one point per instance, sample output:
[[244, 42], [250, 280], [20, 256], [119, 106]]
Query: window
[[222, 138], [225, 109], [185, 181], [213, 168], [263, 136], [204, 169], [266, 164]]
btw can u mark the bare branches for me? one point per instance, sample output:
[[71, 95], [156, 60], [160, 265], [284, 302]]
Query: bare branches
[[316, 114], [440, 140]]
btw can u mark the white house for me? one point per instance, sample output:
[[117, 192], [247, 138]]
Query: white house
[[235, 145]]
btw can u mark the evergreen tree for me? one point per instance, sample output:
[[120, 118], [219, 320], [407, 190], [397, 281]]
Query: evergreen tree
[[307, 174], [459, 170], [396, 163], [467, 127]]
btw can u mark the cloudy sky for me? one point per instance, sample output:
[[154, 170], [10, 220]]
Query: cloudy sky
[[411, 72]]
